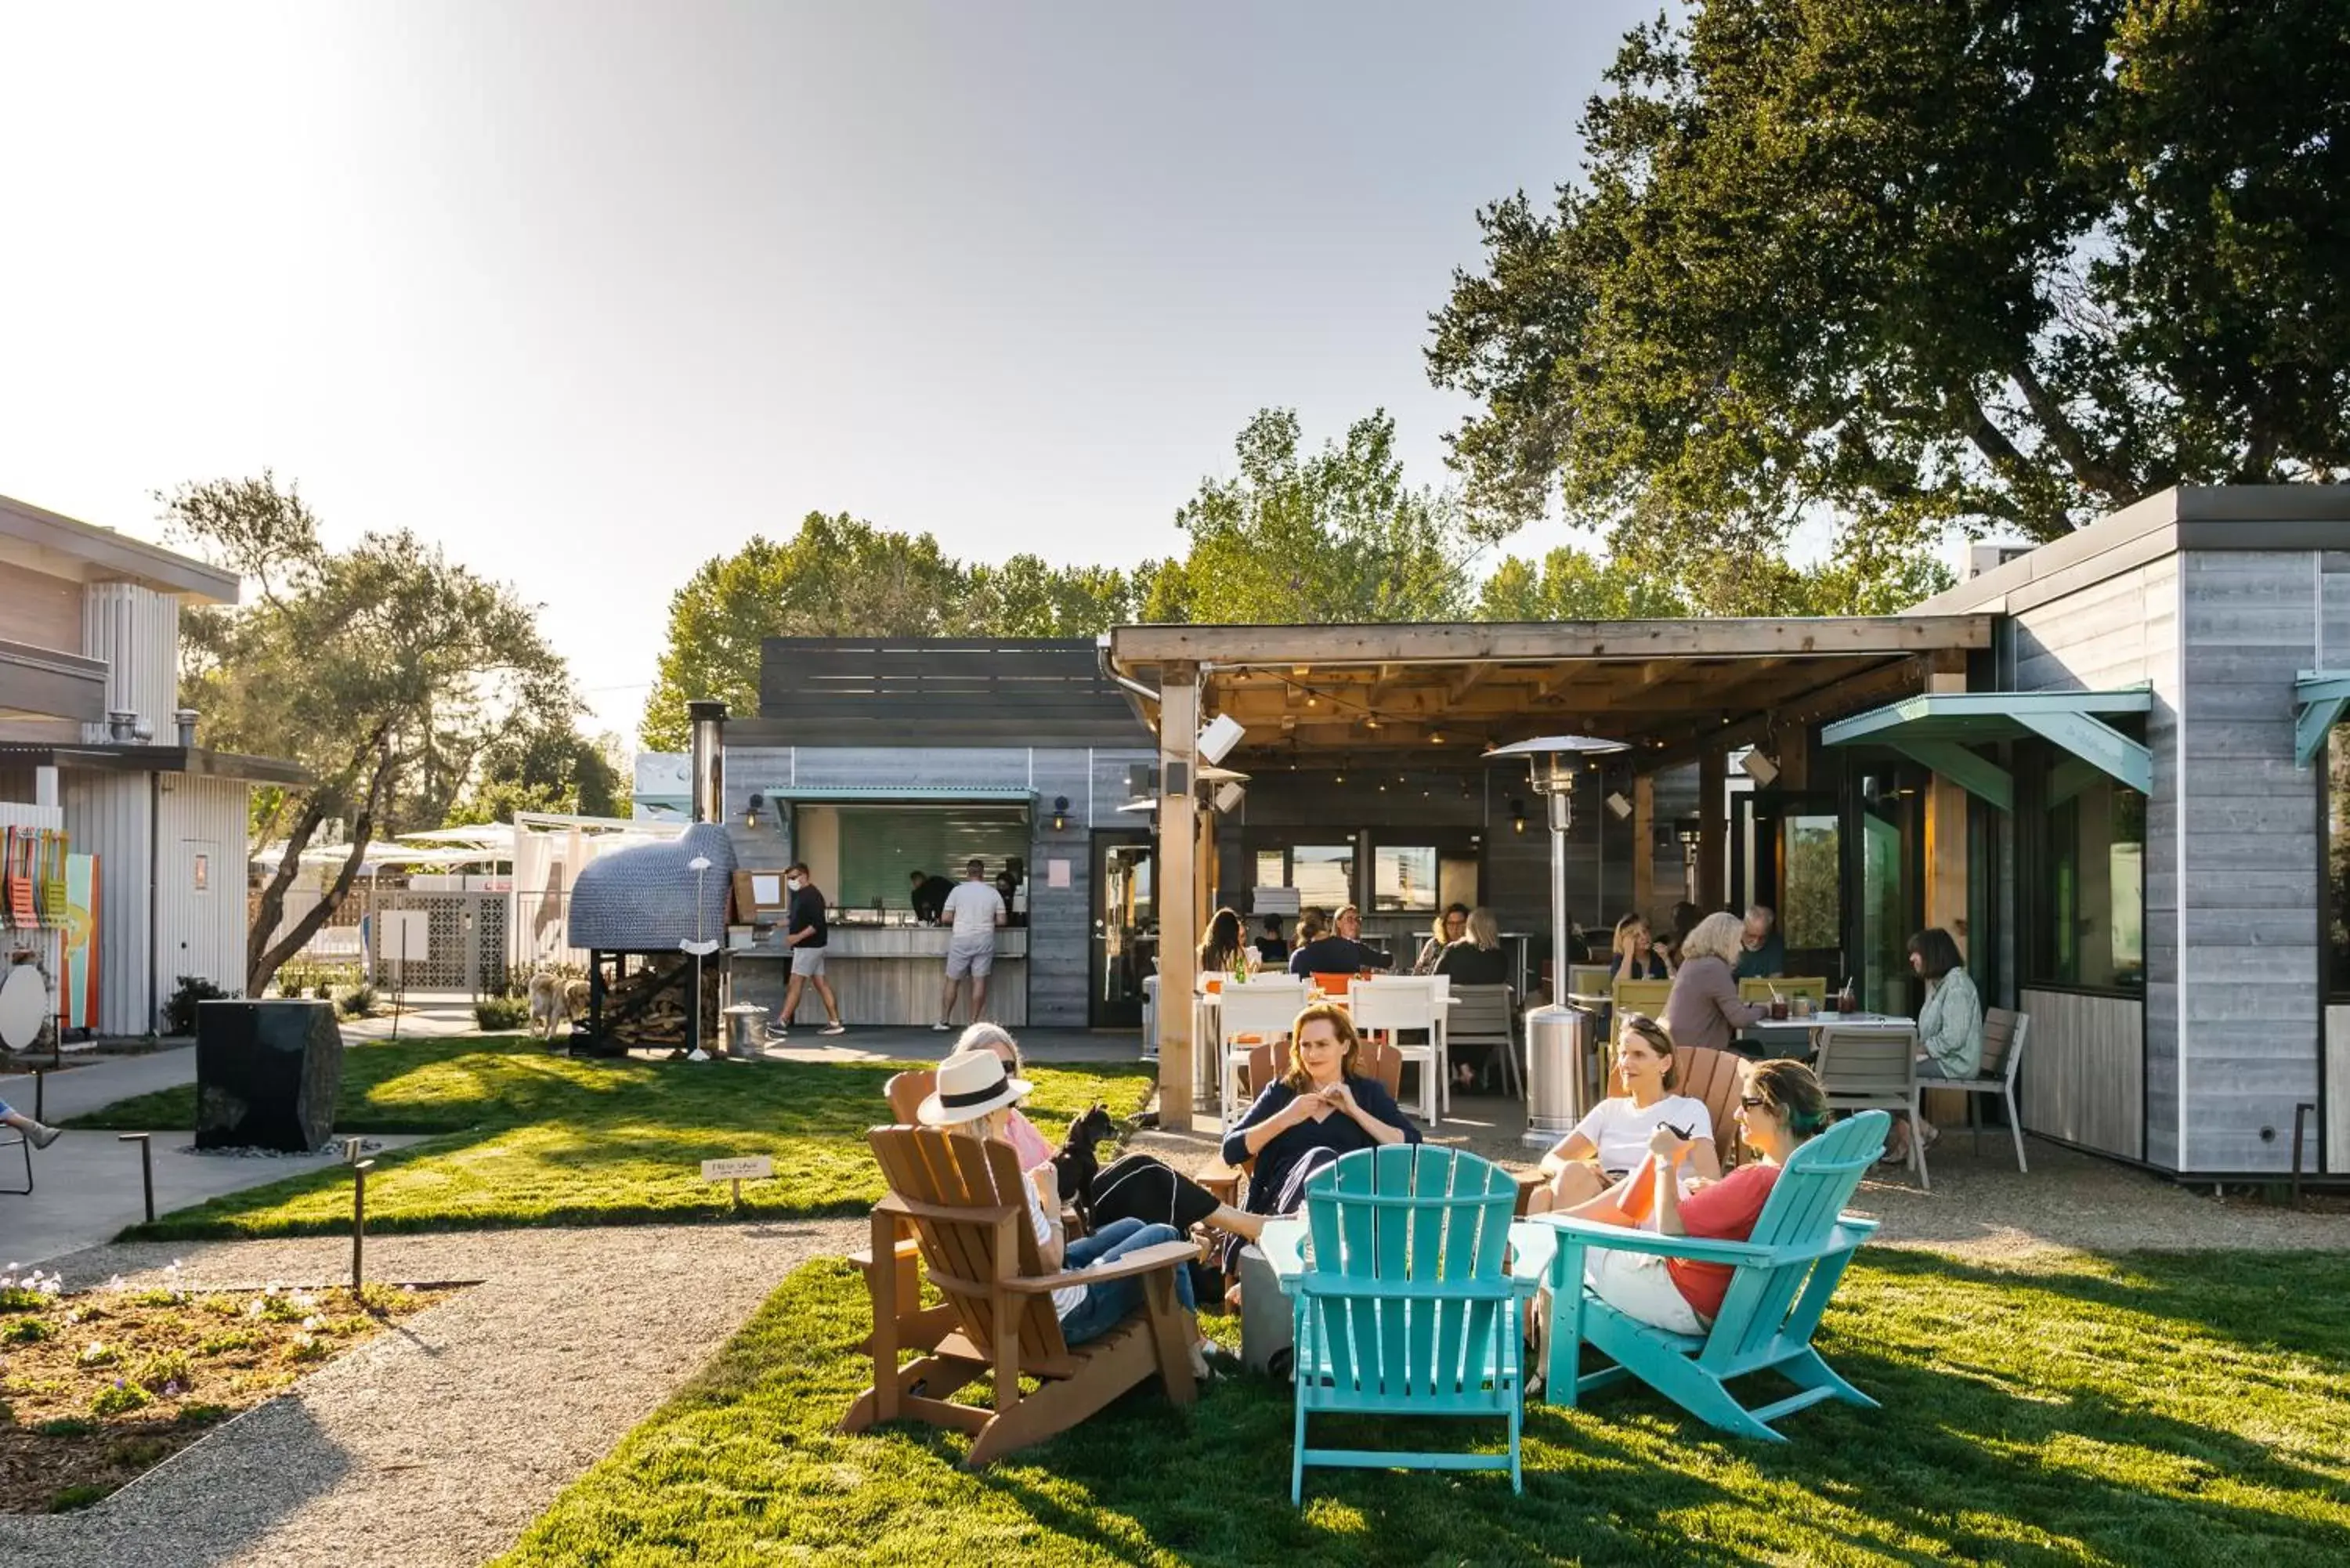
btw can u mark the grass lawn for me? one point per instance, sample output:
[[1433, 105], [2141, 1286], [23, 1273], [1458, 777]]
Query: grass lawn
[[2155, 1409], [534, 1138]]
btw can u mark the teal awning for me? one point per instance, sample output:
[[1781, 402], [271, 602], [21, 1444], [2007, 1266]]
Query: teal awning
[[901, 795], [1936, 727], [2321, 695]]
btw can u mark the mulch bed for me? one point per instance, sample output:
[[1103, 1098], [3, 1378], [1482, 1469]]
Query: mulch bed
[[97, 1388]]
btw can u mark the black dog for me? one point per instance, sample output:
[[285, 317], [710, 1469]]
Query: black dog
[[1079, 1161]]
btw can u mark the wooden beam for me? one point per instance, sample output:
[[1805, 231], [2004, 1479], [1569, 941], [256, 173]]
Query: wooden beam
[[1945, 873], [1713, 828], [1831, 699], [1644, 844], [1236, 646], [1179, 911], [1462, 683]]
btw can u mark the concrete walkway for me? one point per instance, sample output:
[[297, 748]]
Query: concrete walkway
[[920, 1044]]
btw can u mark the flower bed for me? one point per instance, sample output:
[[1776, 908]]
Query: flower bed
[[99, 1388]]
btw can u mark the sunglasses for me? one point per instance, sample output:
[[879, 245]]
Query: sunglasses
[[1754, 1103]]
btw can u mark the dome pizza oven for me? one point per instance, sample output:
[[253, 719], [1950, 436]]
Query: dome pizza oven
[[635, 911]]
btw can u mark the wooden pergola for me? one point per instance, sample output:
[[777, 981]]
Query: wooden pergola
[[1675, 690]]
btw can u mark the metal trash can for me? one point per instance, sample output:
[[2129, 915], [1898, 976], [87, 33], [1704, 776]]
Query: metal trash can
[[747, 1030], [1268, 1321], [1562, 1062]]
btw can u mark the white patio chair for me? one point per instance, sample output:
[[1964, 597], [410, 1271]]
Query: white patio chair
[[1395, 1005], [1245, 1016], [2003, 1032], [1874, 1067]]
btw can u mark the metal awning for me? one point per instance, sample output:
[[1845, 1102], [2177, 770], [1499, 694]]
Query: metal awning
[[901, 795], [1935, 728], [2319, 697]]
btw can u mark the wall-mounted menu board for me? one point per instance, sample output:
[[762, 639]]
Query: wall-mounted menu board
[[760, 896]]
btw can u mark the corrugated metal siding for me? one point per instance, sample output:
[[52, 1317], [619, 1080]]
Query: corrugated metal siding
[[137, 631], [108, 815], [200, 926]]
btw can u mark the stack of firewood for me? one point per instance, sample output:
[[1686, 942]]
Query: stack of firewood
[[661, 1026]]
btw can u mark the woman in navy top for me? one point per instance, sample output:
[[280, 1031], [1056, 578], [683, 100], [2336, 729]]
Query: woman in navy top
[[1318, 1111]]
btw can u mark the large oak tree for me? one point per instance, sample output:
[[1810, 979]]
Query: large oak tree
[[1911, 264]]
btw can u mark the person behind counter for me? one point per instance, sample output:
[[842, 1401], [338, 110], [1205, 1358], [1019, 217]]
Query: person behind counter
[[804, 933], [976, 913], [1007, 887], [931, 895], [1324, 950]]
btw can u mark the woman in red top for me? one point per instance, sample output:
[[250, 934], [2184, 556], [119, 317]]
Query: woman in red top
[[1783, 1107]]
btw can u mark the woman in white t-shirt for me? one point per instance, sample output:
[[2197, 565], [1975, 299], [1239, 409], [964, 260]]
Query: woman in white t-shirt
[[1613, 1140]]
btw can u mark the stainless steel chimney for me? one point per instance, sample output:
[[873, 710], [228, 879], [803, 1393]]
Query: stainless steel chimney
[[185, 718], [708, 760], [122, 724]]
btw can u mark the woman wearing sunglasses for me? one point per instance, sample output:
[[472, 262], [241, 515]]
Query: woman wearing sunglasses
[[1782, 1109]]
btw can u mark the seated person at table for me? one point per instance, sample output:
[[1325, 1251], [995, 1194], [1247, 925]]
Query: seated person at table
[[1704, 1008], [1762, 952], [1335, 949], [1635, 955], [1269, 947], [1783, 1107], [974, 1099], [1950, 1025], [1611, 1143], [1316, 1113], [1449, 927], [1220, 948], [1477, 959]]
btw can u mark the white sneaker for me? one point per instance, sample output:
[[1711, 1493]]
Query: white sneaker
[[941, 1028], [833, 1029], [42, 1136]]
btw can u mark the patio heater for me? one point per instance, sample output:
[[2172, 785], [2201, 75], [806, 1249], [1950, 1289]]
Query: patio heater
[[1562, 1041]]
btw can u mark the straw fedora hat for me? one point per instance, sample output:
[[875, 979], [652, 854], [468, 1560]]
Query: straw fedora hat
[[971, 1084]]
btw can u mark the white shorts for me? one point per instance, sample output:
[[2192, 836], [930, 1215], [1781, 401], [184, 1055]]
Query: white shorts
[[1638, 1284], [970, 956], [808, 961]]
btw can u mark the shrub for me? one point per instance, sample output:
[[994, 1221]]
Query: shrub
[[121, 1400], [68, 1499], [165, 1371], [180, 1012], [202, 1414], [496, 1014], [224, 1344], [360, 1000], [66, 1427], [25, 1331], [96, 1353]]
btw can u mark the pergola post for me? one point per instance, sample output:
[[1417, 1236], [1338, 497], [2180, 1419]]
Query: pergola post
[[1644, 846], [1946, 833], [1713, 827], [1795, 759], [1178, 892]]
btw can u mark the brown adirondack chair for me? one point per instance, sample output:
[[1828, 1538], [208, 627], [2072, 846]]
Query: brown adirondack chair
[[905, 1093], [1715, 1077], [1377, 1059], [962, 1197]]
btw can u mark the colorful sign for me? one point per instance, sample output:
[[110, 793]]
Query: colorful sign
[[78, 996]]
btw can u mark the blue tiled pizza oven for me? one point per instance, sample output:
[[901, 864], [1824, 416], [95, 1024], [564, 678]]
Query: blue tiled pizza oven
[[642, 899]]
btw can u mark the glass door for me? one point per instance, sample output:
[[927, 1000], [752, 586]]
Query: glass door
[[1789, 854], [1126, 929], [1891, 873]]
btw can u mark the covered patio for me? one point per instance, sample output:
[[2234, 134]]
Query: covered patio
[[1364, 779]]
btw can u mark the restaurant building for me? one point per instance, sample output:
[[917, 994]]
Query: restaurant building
[[2107, 767]]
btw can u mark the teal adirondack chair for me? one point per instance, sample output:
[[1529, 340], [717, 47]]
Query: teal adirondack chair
[[1410, 1304], [1785, 1273]]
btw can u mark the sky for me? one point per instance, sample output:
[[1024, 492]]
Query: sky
[[590, 292]]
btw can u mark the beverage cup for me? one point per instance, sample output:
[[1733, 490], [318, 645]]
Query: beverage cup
[[1778, 1010]]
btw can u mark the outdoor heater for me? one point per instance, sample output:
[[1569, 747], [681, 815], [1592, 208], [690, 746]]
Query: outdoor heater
[[1562, 1044]]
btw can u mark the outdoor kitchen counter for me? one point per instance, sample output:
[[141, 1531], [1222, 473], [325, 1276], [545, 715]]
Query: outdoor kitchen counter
[[883, 974]]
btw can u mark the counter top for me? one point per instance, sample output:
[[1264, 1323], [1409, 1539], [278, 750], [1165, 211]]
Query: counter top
[[889, 943]]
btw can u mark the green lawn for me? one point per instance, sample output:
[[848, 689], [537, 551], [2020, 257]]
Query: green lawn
[[534, 1138], [2154, 1409]]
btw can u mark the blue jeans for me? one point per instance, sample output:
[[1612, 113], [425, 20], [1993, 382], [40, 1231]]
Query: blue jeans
[[1111, 1300]]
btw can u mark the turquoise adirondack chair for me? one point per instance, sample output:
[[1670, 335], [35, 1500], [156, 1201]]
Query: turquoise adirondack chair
[[1785, 1273], [1410, 1303]]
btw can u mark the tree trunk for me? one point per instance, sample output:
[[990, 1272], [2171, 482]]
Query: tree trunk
[[262, 967]]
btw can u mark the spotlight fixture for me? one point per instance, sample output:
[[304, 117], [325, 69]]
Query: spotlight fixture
[[1617, 805], [1759, 768], [1060, 812], [1517, 814]]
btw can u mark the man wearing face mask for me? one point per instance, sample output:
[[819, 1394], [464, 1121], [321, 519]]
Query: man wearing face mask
[[804, 933]]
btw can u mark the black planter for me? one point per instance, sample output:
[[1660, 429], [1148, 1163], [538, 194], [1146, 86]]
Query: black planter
[[266, 1073]]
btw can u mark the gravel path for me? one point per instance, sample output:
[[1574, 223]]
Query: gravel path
[[438, 1442]]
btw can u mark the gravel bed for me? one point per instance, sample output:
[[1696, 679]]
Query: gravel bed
[[437, 1443]]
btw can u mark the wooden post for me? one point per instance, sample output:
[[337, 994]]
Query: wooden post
[[1714, 830], [1946, 879], [1795, 759], [1179, 889], [1644, 844]]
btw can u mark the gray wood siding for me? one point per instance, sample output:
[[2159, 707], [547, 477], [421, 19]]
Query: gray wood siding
[[2083, 1071], [2122, 632], [2337, 1087], [2249, 877]]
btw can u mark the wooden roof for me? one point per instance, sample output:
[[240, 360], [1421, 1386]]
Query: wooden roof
[[1663, 686]]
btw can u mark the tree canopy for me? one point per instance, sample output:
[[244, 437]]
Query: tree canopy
[[389, 670], [1914, 265], [838, 576]]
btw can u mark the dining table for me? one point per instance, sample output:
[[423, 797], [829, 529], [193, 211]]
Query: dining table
[[1800, 1037]]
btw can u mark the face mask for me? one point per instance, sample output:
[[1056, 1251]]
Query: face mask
[[792, 883]]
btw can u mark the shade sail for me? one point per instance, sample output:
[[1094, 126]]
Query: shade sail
[[1936, 727]]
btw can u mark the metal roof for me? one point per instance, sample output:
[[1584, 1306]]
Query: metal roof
[[929, 794], [1936, 727]]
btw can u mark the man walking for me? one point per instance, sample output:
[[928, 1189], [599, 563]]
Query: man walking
[[975, 911], [804, 933]]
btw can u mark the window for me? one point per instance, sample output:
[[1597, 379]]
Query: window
[[1403, 878], [879, 844], [1271, 869], [2091, 897], [1323, 874], [204, 873], [1810, 900]]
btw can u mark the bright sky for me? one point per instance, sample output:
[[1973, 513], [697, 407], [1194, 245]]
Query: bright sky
[[590, 292]]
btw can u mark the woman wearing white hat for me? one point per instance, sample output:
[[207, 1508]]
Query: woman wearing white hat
[[975, 1097]]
